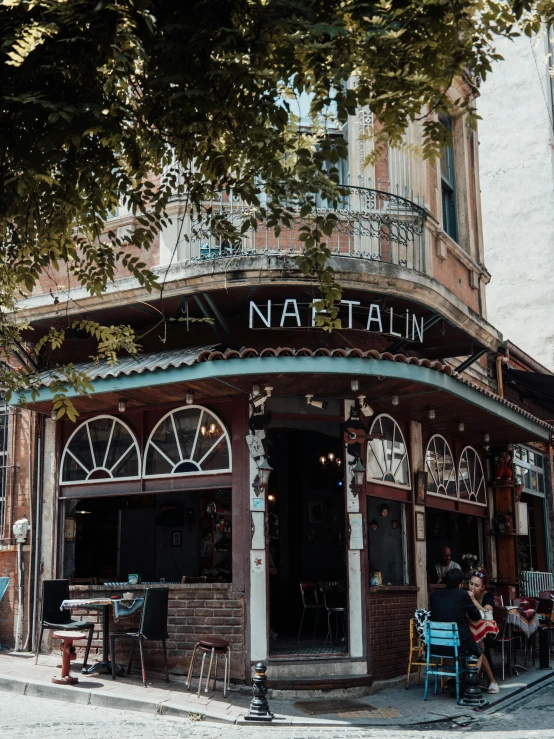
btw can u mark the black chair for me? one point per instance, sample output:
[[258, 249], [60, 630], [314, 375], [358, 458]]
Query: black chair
[[54, 592], [153, 627]]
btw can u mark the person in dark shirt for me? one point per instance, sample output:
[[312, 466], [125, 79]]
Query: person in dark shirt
[[455, 605], [484, 602]]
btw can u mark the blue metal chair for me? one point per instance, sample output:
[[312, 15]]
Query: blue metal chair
[[442, 634]]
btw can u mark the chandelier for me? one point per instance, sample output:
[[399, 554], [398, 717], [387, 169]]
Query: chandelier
[[330, 460]]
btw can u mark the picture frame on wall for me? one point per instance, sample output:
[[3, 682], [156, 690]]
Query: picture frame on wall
[[175, 538], [420, 487], [420, 526]]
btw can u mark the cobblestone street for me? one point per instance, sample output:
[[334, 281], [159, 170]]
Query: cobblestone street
[[22, 716]]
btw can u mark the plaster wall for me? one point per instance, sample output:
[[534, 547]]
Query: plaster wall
[[517, 184]]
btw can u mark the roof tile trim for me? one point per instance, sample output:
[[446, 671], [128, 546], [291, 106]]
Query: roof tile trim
[[210, 356]]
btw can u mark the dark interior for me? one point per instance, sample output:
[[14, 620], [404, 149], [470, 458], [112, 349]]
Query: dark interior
[[159, 537], [307, 531], [458, 531]]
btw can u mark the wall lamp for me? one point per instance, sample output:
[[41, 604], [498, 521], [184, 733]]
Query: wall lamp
[[262, 477], [357, 476]]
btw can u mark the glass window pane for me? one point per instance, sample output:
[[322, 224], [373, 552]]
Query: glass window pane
[[100, 429], [80, 447], [187, 424], [387, 458]]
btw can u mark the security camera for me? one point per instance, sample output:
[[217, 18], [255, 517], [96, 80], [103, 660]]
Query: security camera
[[316, 403], [258, 400], [366, 409]]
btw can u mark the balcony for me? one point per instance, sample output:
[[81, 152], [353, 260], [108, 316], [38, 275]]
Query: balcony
[[373, 225]]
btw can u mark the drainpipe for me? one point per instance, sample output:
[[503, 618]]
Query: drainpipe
[[499, 380], [20, 530], [37, 532]]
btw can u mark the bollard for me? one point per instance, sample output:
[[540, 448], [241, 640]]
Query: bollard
[[259, 707], [472, 694], [544, 648]]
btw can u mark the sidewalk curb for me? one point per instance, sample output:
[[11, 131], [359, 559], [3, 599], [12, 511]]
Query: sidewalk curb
[[73, 694], [522, 694], [85, 696]]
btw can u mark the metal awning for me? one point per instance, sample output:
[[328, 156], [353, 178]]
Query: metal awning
[[291, 370]]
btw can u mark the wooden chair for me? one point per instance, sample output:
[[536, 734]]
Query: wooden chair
[[499, 601], [442, 634], [416, 657]]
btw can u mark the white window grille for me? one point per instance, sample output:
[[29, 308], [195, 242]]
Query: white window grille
[[387, 454], [471, 478], [188, 441], [102, 448], [441, 469]]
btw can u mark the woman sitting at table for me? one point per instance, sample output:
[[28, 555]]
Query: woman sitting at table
[[484, 602]]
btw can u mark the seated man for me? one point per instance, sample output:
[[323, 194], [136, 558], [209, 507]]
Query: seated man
[[438, 571], [455, 605]]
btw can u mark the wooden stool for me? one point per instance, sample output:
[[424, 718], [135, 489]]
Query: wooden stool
[[212, 645], [69, 653]]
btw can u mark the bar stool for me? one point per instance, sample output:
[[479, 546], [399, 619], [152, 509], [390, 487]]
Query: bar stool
[[214, 646]]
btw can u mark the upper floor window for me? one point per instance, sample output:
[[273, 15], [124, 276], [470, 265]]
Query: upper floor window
[[188, 441], [448, 185], [529, 470], [102, 448], [387, 454], [440, 467], [471, 478]]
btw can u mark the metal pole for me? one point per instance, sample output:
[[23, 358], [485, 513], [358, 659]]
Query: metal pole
[[37, 532]]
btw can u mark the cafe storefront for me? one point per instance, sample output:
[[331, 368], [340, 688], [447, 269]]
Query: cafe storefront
[[294, 493]]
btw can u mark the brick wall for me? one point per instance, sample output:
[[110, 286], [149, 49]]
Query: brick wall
[[195, 610], [388, 619]]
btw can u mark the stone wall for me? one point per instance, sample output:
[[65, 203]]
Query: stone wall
[[389, 610]]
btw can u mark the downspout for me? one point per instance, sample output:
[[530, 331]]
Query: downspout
[[20, 530], [37, 532], [499, 379]]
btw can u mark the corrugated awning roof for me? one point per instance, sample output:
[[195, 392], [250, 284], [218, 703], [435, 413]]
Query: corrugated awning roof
[[135, 365], [210, 353]]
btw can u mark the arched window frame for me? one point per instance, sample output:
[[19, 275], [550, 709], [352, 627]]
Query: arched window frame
[[483, 479], [454, 474], [167, 475], [100, 467], [398, 431]]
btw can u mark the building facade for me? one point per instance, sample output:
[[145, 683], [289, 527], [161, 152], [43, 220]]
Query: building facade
[[517, 180], [294, 488]]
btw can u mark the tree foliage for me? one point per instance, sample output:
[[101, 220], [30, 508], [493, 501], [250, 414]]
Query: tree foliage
[[141, 101]]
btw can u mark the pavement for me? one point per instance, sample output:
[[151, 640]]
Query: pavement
[[393, 707], [26, 716]]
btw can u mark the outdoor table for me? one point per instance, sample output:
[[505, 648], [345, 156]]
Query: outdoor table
[[120, 610], [525, 619], [481, 629]]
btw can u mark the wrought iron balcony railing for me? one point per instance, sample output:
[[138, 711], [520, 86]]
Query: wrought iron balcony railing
[[373, 225]]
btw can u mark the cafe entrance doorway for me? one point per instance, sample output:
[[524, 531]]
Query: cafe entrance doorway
[[307, 563]]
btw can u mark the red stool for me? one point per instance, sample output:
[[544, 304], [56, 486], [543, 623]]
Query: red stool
[[214, 646], [69, 653]]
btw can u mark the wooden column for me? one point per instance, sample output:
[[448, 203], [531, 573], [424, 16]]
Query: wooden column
[[420, 547]]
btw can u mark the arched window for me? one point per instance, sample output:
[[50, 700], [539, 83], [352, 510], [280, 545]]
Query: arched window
[[188, 441], [471, 479], [387, 455], [102, 448], [440, 467]]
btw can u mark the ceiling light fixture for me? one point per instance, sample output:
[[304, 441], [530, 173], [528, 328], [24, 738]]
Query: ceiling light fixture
[[395, 400], [354, 386], [431, 414], [461, 426], [122, 406], [189, 397]]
